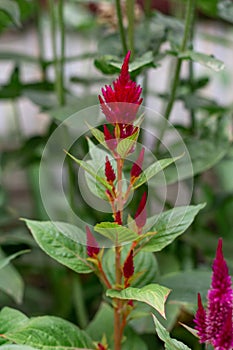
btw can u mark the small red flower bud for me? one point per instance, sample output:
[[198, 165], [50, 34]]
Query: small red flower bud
[[109, 139], [118, 219], [128, 268], [92, 245], [140, 216], [109, 172], [130, 303], [101, 347], [137, 166]]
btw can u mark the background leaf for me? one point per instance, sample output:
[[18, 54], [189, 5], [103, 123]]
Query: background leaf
[[11, 8]]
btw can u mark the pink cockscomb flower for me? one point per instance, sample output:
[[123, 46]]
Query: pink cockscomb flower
[[92, 245], [141, 214], [120, 103], [214, 325]]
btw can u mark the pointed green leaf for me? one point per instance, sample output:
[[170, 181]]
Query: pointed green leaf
[[99, 135], [11, 8], [86, 166], [116, 233], [59, 240], [16, 347], [50, 333], [206, 60], [152, 294], [170, 343], [125, 145], [152, 170], [11, 282], [5, 261], [169, 225]]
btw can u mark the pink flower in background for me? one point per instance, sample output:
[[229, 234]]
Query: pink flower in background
[[120, 103], [214, 325]]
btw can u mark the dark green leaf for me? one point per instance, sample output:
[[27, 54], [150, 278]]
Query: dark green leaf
[[5, 261], [58, 240]]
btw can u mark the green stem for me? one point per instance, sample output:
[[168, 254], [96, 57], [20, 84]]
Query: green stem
[[41, 40], [121, 27], [147, 8], [53, 28], [188, 22], [130, 14]]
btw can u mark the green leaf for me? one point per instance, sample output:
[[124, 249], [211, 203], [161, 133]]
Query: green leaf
[[11, 8], [58, 240], [10, 319], [153, 169], [206, 60], [11, 282], [116, 233], [184, 289], [86, 166], [48, 333], [99, 135], [16, 347], [169, 225], [170, 343], [125, 145], [152, 294], [145, 266], [7, 260]]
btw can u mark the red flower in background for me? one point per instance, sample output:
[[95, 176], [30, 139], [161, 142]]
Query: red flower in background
[[120, 103]]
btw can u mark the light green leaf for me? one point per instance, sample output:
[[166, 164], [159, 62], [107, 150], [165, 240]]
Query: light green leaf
[[11, 282], [5, 261], [99, 135], [48, 333], [10, 319], [206, 60], [152, 294], [152, 170], [116, 233], [225, 10], [86, 166], [170, 343], [125, 145], [169, 225], [145, 266], [11, 8], [58, 240]]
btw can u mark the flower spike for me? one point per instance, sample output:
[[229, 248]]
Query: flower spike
[[118, 218], [214, 325], [120, 103], [140, 216], [109, 172], [128, 268], [92, 245], [137, 167]]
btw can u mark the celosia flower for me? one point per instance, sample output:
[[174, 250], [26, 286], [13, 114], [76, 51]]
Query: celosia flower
[[92, 245], [215, 326], [128, 268], [137, 167], [109, 139], [120, 103], [140, 216], [109, 172]]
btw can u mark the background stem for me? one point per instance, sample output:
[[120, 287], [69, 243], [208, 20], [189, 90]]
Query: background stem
[[130, 16], [190, 10], [121, 27]]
